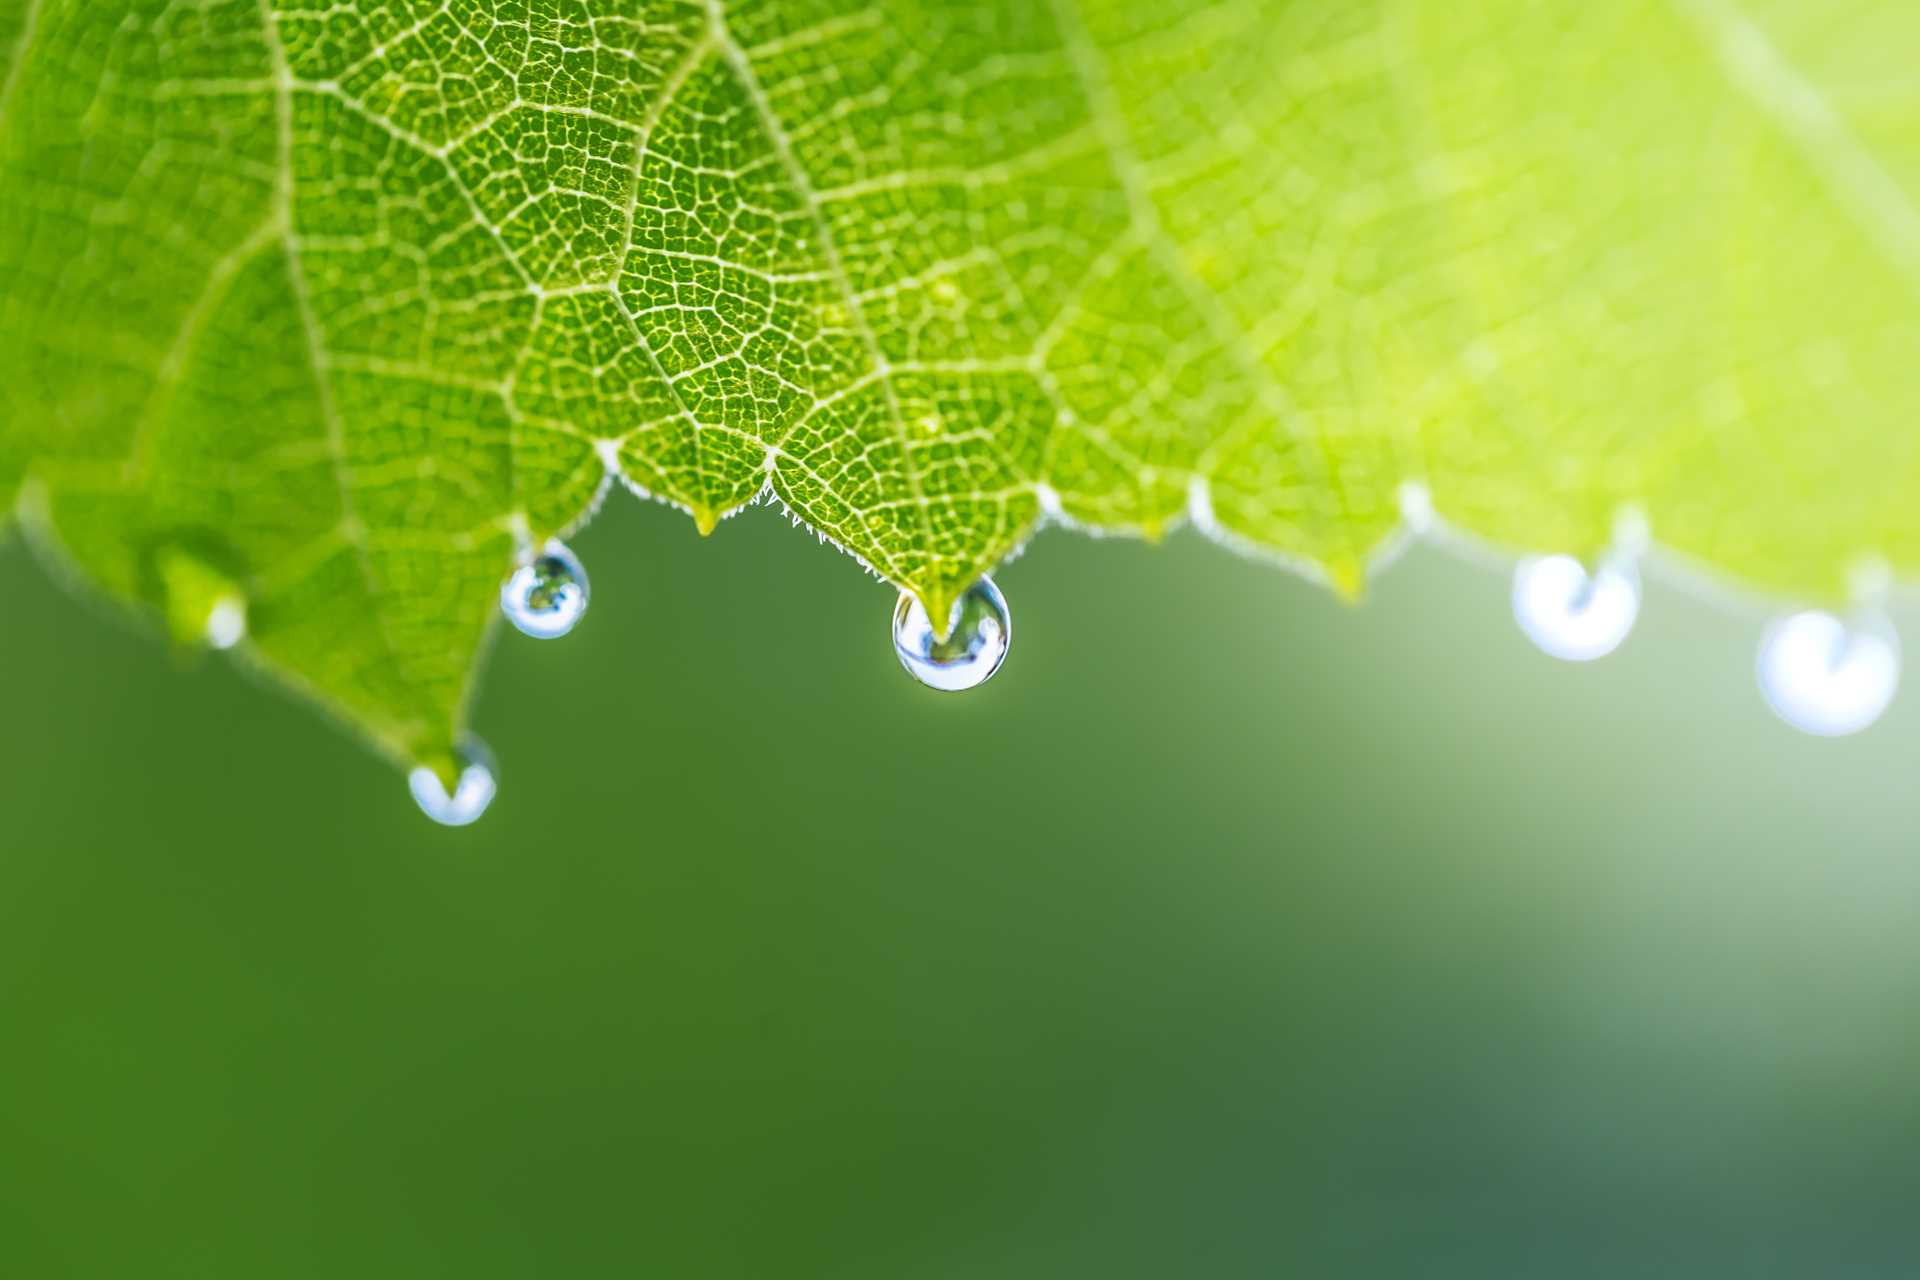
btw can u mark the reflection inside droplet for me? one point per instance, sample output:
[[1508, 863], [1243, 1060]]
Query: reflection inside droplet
[[975, 646], [471, 794], [546, 597], [1825, 677], [1572, 612]]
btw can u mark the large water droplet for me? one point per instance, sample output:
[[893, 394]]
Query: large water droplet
[[1825, 677], [975, 646], [472, 793], [1572, 612], [546, 597]]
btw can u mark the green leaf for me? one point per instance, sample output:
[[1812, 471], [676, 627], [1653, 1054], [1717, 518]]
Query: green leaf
[[341, 305]]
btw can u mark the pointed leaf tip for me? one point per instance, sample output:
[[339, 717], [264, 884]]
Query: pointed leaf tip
[[939, 604], [1348, 578]]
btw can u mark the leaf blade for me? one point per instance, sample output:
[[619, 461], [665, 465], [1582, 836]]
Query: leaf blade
[[357, 303]]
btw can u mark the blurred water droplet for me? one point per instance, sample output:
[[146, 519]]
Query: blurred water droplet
[[1825, 677], [1416, 507], [203, 604], [1572, 612], [546, 597], [975, 646], [471, 794], [227, 622]]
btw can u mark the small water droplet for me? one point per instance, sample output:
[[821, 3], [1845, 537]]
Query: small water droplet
[[1825, 677], [1416, 507], [471, 794], [227, 622], [546, 597], [1573, 612], [203, 604], [975, 646]]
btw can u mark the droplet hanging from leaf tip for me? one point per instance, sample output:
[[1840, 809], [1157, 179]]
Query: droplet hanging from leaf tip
[[980, 631], [1573, 612], [474, 784], [546, 597], [1828, 677]]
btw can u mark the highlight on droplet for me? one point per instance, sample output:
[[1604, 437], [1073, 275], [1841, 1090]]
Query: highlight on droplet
[[976, 643], [1573, 612], [1827, 677], [203, 604], [472, 792], [227, 622], [546, 597]]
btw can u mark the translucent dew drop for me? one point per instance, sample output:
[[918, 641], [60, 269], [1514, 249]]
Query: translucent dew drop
[[227, 622], [1825, 677], [975, 646], [546, 597], [203, 604], [1573, 612], [471, 794]]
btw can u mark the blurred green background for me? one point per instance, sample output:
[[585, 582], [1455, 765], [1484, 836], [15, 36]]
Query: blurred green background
[[1230, 932]]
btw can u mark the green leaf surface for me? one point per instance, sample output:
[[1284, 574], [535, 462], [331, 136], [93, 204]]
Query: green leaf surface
[[337, 307]]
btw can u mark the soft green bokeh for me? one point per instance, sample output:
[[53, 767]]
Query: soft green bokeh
[[1228, 933]]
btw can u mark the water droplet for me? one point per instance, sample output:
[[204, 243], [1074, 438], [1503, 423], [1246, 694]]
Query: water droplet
[[1416, 507], [227, 622], [1825, 677], [546, 597], [1572, 612], [975, 646], [203, 604], [471, 794]]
